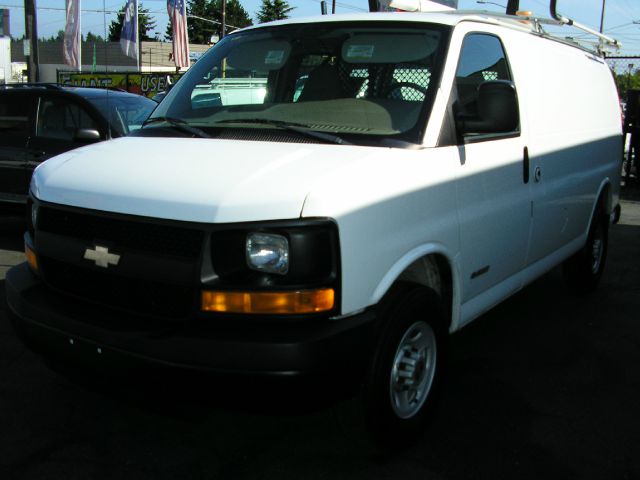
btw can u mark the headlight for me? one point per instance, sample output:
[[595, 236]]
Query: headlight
[[277, 267], [268, 252]]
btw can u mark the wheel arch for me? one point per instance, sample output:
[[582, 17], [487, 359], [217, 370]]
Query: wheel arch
[[431, 266], [604, 195]]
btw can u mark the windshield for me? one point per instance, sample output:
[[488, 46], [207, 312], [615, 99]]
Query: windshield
[[125, 113], [359, 81]]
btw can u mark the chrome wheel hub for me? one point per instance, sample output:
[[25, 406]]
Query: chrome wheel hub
[[413, 370]]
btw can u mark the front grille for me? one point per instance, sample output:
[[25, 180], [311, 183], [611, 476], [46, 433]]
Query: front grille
[[126, 233], [130, 294], [149, 241]]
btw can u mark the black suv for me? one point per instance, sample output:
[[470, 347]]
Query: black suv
[[39, 121]]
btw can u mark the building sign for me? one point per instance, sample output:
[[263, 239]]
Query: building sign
[[147, 84]]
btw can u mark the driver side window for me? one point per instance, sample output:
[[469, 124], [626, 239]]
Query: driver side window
[[482, 59]]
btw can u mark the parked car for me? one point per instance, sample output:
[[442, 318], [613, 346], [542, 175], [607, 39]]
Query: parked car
[[39, 121], [398, 175]]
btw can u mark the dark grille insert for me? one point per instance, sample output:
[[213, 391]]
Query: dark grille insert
[[144, 297], [125, 233]]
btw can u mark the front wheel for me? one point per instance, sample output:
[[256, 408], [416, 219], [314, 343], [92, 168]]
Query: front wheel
[[583, 270], [404, 376]]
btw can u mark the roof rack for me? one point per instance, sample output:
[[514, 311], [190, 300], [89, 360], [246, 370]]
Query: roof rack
[[602, 39], [536, 24], [513, 17]]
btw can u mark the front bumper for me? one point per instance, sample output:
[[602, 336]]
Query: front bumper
[[82, 332]]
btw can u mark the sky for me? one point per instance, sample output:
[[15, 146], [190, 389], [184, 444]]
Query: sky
[[97, 14]]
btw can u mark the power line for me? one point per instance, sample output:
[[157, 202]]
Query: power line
[[347, 6]]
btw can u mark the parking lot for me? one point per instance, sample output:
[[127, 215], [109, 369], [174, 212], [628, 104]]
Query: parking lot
[[546, 385]]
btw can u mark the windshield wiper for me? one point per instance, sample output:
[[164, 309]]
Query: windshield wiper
[[177, 124], [300, 128]]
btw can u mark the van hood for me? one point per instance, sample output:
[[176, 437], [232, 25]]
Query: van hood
[[199, 180]]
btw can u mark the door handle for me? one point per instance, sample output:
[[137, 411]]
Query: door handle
[[525, 165], [537, 174]]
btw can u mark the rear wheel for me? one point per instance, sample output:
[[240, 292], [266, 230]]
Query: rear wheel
[[405, 373], [583, 270]]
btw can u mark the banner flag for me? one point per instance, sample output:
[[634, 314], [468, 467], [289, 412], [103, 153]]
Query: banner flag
[[129, 32], [71, 44], [178, 16]]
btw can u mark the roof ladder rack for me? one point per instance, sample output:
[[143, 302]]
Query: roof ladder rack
[[603, 39]]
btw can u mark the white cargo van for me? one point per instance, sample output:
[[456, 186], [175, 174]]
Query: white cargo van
[[402, 174]]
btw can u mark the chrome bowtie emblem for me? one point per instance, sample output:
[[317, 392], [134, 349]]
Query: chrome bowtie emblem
[[101, 256]]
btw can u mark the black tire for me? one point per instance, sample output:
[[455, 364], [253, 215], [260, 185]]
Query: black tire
[[583, 270], [398, 398]]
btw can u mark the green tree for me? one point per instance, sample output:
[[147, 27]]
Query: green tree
[[146, 24], [91, 37], [200, 31], [627, 81], [273, 10], [237, 16], [59, 37]]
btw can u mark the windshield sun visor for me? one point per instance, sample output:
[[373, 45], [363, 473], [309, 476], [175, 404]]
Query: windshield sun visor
[[395, 48], [263, 55]]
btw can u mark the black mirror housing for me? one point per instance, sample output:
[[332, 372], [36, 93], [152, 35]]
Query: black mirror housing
[[87, 135], [497, 109]]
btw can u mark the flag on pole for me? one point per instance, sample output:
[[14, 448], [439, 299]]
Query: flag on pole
[[129, 32], [178, 16], [71, 44]]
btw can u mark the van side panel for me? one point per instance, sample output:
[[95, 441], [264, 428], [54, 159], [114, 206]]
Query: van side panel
[[387, 206], [574, 137]]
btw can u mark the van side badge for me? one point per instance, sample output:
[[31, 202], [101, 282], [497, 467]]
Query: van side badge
[[101, 256], [482, 271]]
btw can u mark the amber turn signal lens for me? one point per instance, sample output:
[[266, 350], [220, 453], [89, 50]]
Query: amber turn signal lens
[[32, 260], [284, 303]]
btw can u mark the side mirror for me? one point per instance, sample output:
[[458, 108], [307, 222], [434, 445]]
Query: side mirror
[[497, 110], [205, 100], [87, 135]]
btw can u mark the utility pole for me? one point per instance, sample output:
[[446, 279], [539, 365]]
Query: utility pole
[[224, 19], [31, 34], [602, 16]]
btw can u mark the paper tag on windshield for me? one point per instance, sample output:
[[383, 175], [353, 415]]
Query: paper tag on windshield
[[359, 52], [274, 57]]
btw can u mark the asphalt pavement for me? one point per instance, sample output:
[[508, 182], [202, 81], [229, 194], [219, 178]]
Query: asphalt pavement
[[545, 386]]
